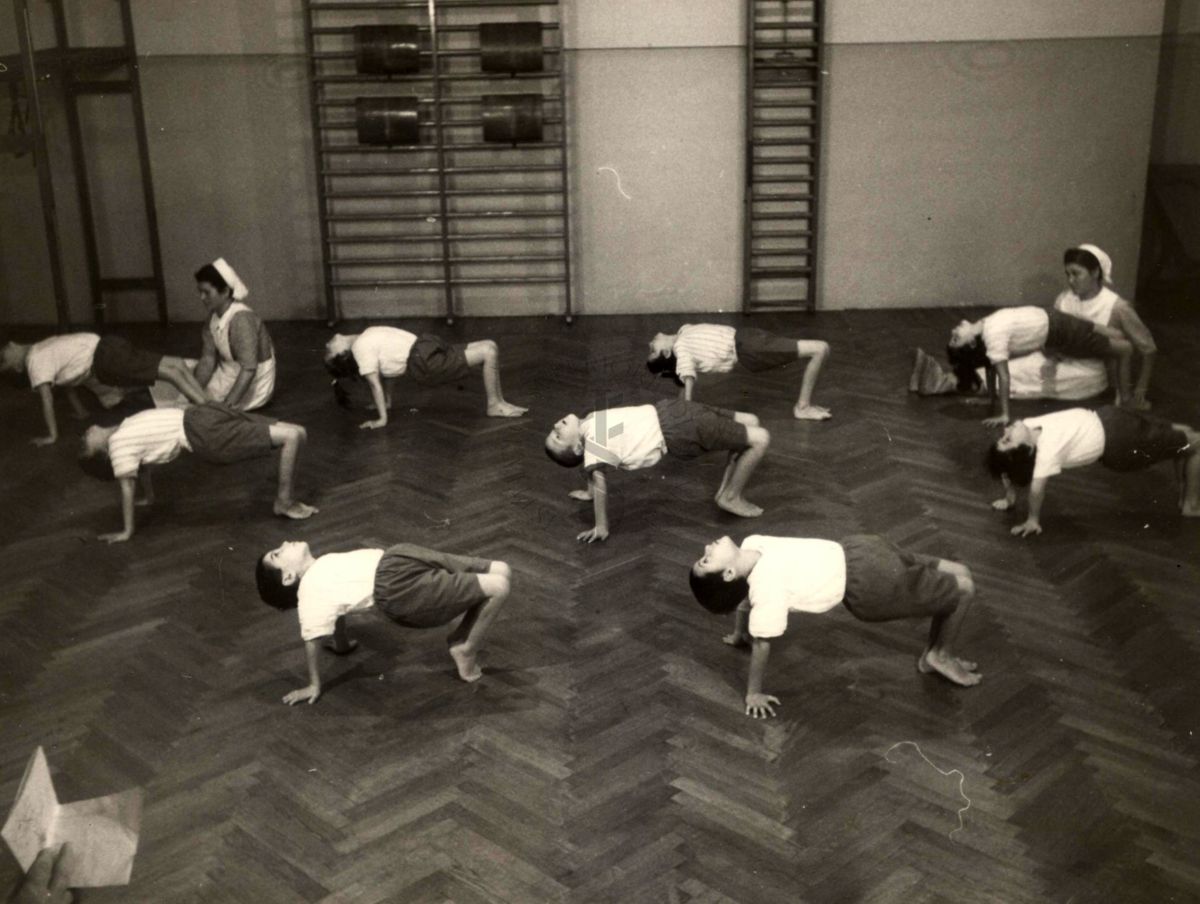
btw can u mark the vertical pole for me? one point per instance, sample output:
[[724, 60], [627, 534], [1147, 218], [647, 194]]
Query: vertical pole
[[139, 119], [814, 171], [748, 197], [566, 195], [443, 207], [332, 312], [41, 160]]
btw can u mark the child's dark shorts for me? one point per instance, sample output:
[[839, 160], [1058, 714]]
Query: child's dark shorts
[[884, 582], [1135, 439], [1075, 337], [223, 435], [692, 428], [759, 350], [432, 361], [415, 594], [118, 363]]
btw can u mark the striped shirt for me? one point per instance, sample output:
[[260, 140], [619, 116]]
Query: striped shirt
[[147, 438], [704, 348], [1012, 332], [382, 350], [61, 360]]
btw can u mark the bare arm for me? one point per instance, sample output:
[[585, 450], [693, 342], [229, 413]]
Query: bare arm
[[46, 392], [1001, 394], [1032, 524], [380, 398], [1139, 336], [312, 652], [128, 490], [599, 487], [689, 383], [758, 704], [741, 621], [1010, 495], [241, 386]]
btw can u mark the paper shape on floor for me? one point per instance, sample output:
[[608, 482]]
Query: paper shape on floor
[[101, 834]]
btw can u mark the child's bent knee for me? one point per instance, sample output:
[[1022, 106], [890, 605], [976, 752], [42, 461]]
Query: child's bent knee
[[502, 569], [758, 437]]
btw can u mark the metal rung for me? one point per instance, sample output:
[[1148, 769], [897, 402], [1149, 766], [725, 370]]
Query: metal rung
[[780, 180], [779, 252], [792, 215], [456, 215], [436, 237], [782, 161], [797, 196], [424, 29], [323, 55], [772, 104], [403, 79], [781, 122], [477, 146], [446, 125], [470, 259], [782, 307], [375, 172], [783, 234], [344, 102], [454, 281], [780, 272], [782, 142], [433, 193]]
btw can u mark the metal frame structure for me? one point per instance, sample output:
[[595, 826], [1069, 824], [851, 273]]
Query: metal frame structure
[[784, 63], [84, 71], [453, 211]]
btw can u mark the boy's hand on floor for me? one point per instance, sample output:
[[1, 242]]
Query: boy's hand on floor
[[43, 441], [372, 425], [118, 537], [1002, 505], [581, 495], [760, 705], [303, 695], [596, 533], [737, 640], [998, 421], [1026, 528]]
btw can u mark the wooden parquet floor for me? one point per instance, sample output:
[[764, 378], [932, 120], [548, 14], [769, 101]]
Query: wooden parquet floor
[[604, 757]]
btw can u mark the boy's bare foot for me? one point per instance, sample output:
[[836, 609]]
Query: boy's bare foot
[[468, 667], [505, 409], [350, 647], [925, 668], [948, 667], [297, 511], [736, 505], [811, 413], [737, 640]]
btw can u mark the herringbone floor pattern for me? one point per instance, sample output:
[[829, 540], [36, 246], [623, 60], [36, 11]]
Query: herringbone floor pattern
[[604, 757]]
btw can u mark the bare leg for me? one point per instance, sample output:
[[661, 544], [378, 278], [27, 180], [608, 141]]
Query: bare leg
[[943, 632], [291, 437], [487, 353], [175, 372], [467, 639], [816, 351], [731, 498], [1190, 458]]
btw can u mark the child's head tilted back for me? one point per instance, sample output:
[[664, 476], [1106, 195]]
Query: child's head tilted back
[[339, 359], [277, 575], [965, 360], [1013, 454], [564, 442], [715, 579]]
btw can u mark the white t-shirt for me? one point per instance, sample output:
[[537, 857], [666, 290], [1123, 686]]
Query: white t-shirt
[[626, 438], [1069, 439], [61, 360], [1098, 309], [335, 585], [152, 437], [382, 350], [1012, 332], [792, 575], [704, 347]]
